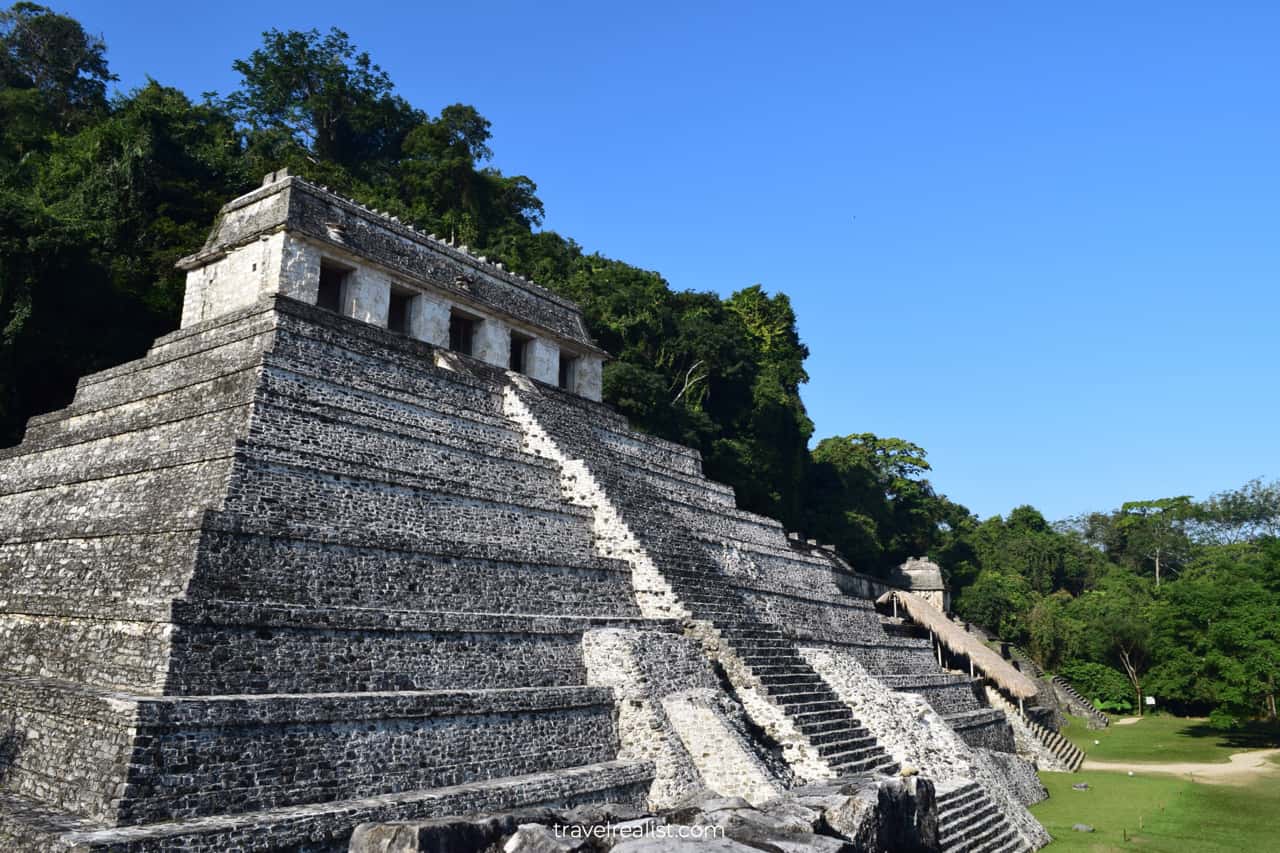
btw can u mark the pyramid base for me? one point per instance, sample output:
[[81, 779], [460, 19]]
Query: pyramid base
[[323, 827]]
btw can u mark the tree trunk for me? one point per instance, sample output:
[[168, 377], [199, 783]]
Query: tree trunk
[[1271, 698], [1133, 677], [1157, 568]]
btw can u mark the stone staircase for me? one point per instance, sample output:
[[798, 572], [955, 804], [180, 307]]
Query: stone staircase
[[1079, 704], [1064, 750], [1021, 660], [789, 681], [969, 822], [1066, 693], [653, 508]]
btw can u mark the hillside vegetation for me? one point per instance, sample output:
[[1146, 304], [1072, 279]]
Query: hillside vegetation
[[100, 194]]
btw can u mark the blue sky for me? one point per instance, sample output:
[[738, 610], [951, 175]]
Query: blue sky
[[1040, 242]]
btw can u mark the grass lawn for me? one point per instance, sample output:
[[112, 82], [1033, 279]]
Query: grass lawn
[[1165, 814], [1165, 738]]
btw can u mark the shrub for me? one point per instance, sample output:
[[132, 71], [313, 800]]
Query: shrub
[[1099, 683]]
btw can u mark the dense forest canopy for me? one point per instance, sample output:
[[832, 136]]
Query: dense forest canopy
[[101, 194]]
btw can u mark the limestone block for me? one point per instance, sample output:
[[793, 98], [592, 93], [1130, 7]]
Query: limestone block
[[719, 753], [366, 296], [589, 382], [534, 838], [683, 845], [194, 296], [429, 320], [543, 361], [435, 834], [492, 342], [299, 271], [670, 712]]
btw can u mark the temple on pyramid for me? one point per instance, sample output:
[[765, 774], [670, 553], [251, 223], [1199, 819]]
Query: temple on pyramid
[[360, 543]]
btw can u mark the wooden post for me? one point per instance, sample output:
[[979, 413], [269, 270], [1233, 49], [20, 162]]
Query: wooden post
[[971, 667], [893, 596]]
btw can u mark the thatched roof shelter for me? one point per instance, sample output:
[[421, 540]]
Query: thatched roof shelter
[[960, 642]]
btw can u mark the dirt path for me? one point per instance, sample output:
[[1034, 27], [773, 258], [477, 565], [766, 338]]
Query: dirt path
[[1128, 721], [1241, 768]]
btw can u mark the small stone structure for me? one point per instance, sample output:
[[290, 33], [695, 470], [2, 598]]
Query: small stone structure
[[330, 555], [295, 239], [924, 578]]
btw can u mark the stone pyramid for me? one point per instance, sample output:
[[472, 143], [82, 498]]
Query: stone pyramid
[[340, 548]]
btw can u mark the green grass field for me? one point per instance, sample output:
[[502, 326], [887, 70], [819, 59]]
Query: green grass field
[[1165, 738], [1152, 812], [1159, 813]]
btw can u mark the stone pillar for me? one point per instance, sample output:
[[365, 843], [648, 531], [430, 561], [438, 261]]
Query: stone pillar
[[589, 381], [543, 361], [429, 320], [299, 271], [193, 297], [366, 296], [492, 342]]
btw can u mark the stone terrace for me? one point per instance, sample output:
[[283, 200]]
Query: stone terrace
[[287, 561]]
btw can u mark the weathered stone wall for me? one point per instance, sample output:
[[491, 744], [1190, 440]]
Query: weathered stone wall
[[671, 711], [987, 728], [258, 566], [1017, 774], [236, 281], [337, 554], [209, 762], [73, 750]]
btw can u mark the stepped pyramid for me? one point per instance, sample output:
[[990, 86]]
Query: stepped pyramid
[[328, 554]]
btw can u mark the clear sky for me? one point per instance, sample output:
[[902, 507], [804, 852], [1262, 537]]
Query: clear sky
[[1040, 240]]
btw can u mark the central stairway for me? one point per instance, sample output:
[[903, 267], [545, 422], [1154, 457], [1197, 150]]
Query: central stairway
[[788, 679], [691, 547], [969, 822]]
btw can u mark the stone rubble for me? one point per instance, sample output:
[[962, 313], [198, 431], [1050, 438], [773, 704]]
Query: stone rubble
[[856, 816]]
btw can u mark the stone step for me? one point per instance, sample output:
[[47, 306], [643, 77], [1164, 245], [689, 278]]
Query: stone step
[[789, 694], [959, 795], [717, 612], [836, 714], [850, 754], [1012, 844], [970, 824], [797, 677], [878, 763], [780, 648], [816, 729], [761, 670], [822, 706], [962, 812], [325, 826], [767, 644], [850, 736], [738, 633], [988, 839]]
